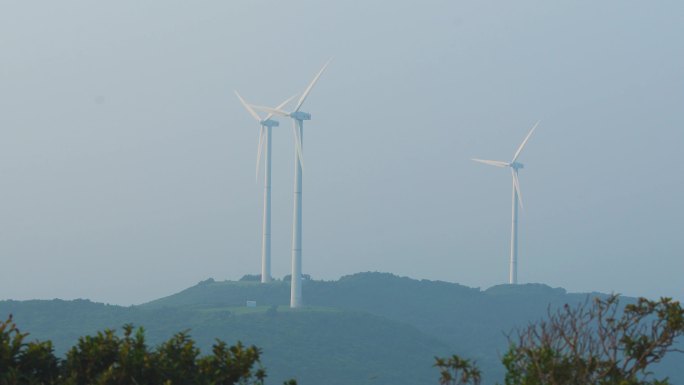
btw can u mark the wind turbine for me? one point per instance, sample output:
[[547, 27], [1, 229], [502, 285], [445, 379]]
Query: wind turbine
[[298, 117], [265, 143], [517, 200]]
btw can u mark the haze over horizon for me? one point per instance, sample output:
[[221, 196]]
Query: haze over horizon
[[128, 164]]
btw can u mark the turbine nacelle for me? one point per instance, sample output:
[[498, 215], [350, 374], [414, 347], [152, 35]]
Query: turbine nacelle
[[269, 123], [513, 164], [264, 123], [299, 115]]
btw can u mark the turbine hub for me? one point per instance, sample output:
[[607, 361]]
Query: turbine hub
[[299, 115], [270, 123]]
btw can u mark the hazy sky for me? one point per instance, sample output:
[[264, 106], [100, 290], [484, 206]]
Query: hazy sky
[[127, 164]]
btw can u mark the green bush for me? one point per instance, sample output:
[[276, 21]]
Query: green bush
[[109, 359]]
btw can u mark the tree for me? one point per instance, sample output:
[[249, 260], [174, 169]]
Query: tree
[[230, 365], [305, 277], [457, 371], [25, 363], [251, 278], [108, 359], [597, 342]]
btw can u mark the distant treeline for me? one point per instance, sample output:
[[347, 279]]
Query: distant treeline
[[257, 278]]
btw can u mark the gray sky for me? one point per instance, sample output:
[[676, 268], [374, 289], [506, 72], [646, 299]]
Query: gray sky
[[127, 164]]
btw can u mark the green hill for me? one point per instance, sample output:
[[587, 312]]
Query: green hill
[[471, 321], [367, 328]]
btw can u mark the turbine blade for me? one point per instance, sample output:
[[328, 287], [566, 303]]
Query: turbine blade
[[522, 145], [516, 183], [311, 85], [496, 163], [274, 111], [259, 150], [283, 104], [248, 107], [280, 106], [298, 142]]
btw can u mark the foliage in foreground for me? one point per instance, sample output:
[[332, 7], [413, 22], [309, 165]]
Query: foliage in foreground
[[595, 343], [457, 371], [109, 359]]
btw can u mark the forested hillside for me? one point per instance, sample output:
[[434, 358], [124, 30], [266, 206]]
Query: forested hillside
[[367, 328]]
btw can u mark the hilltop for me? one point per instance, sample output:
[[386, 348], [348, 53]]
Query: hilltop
[[365, 328]]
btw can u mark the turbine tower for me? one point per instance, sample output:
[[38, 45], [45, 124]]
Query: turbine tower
[[265, 144], [517, 200], [298, 117]]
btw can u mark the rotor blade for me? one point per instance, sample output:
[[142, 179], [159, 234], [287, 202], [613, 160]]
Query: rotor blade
[[280, 106], [496, 163], [298, 142], [248, 107], [259, 149], [522, 145], [270, 110], [283, 104], [516, 184], [311, 85]]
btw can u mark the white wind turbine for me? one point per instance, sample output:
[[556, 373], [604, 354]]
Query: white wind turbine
[[517, 200], [298, 117], [265, 142]]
